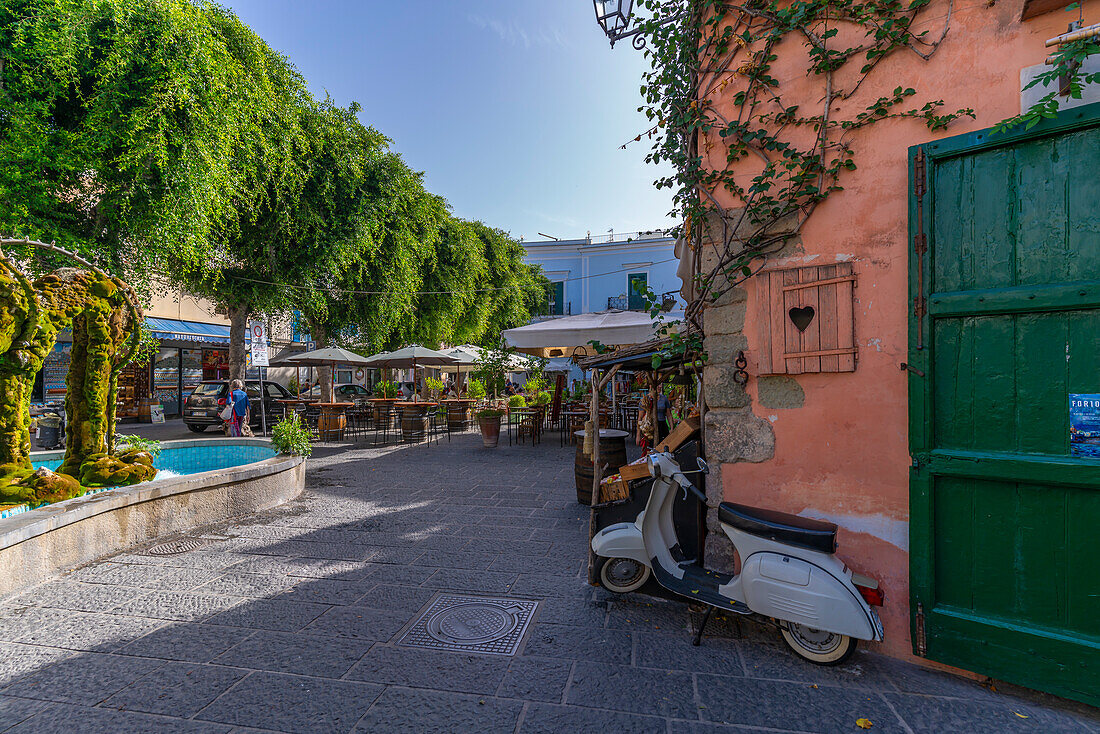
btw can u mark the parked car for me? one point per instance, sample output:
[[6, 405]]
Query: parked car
[[347, 393], [202, 407]]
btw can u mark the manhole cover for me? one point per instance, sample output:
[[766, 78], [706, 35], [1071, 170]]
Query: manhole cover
[[174, 547], [471, 624]]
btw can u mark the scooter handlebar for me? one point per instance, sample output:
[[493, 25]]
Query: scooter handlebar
[[688, 486]]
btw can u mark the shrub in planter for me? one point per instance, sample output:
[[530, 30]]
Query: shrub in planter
[[488, 420], [517, 401], [291, 436], [475, 389], [386, 389], [543, 398]]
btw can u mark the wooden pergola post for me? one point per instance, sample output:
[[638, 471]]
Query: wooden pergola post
[[597, 386]]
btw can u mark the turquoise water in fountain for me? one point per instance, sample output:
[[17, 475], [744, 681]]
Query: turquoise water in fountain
[[182, 460], [194, 459]]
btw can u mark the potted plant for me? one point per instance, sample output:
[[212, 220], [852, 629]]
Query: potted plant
[[435, 386], [386, 389], [475, 389], [488, 420]]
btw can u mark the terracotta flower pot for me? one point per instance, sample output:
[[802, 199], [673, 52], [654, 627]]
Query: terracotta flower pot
[[490, 430]]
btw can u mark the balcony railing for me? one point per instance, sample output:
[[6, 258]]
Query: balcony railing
[[637, 303], [550, 313]]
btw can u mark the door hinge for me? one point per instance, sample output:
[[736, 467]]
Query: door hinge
[[920, 644]]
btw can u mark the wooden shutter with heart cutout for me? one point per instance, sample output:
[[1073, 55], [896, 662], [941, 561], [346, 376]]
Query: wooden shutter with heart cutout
[[807, 320]]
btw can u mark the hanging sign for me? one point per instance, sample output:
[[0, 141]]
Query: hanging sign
[[1084, 425], [258, 332]]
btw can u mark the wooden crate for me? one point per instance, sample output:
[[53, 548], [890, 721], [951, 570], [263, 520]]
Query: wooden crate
[[612, 489], [680, 434]]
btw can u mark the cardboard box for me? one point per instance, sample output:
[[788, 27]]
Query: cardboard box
[[680, 434]]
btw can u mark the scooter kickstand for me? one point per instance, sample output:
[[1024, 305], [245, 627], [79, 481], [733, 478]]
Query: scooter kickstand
[[699, 632]]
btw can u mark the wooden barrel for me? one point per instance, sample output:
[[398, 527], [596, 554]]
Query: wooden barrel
[[458, 416], [612, 454], [414, 424], [145, 410], [331, 426]]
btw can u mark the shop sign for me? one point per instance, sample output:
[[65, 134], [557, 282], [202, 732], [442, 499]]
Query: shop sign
[[258, 332]]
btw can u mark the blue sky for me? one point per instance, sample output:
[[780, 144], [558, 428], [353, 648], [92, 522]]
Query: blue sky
[[514, 110]]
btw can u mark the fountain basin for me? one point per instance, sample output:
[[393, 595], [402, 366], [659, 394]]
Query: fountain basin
[[216, 480]]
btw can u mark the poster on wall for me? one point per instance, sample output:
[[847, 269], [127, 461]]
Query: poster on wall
[[1084, 425], [55, 370]]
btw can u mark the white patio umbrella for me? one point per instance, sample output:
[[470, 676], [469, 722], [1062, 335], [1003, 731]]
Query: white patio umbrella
[[411, 357], [329, 356], [466, 359]]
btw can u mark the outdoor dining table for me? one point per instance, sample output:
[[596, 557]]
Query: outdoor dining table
[[290, 403], [333, 420], [414, 419]]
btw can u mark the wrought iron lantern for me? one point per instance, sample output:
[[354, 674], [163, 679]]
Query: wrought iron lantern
[[614, 17]]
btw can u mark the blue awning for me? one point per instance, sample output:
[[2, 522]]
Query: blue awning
[[188, 331]]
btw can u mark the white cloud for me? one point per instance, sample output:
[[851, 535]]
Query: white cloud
[[514, 34]]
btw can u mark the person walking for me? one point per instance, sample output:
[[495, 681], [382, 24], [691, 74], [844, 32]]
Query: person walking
[[238, 399], [663, 405]]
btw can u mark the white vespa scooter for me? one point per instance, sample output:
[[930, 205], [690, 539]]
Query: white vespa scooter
[[789, 570]]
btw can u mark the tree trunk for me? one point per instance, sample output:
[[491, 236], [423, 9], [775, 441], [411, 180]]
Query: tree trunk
[[324, 373], [238, 327]]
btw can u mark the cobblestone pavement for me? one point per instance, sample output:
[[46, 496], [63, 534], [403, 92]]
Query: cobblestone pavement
[[288, 621]]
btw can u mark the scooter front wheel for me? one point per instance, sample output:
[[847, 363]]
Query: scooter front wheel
[[622, 575], [817, 646]]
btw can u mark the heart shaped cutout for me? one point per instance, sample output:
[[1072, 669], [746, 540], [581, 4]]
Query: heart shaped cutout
[[801, 317]]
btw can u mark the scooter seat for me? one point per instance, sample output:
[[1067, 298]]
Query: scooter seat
[[816, 535]]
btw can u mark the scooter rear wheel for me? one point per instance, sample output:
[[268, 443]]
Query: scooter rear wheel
[[622, 575], [817, 646]]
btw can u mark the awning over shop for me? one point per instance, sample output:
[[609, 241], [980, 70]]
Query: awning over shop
[[558, 337], [187, 331]]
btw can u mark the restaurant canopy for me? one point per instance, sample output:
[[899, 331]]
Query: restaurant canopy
[[560, 337]]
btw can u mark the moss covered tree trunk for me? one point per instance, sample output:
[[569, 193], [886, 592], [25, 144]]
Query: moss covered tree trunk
[[88, 400], [30, 317], [24, 340]]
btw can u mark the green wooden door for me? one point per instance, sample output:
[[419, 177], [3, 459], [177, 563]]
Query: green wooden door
[[1004, 327], [636, 285]]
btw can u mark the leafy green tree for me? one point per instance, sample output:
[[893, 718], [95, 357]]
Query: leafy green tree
[[371, 303], [128, 127], [516, 292], [312, 224]]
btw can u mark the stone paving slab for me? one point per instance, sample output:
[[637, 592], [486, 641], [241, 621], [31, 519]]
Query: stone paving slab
[[288, 621]]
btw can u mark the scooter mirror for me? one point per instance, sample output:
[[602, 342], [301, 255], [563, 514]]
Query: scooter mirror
[[703, 466]]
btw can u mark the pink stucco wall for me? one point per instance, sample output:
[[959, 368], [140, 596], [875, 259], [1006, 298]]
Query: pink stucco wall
[[844, 455]]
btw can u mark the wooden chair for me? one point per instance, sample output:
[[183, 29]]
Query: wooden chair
[[530, 424]]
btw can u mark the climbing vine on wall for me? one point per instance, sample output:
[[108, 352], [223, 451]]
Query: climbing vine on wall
[[751, 159]]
